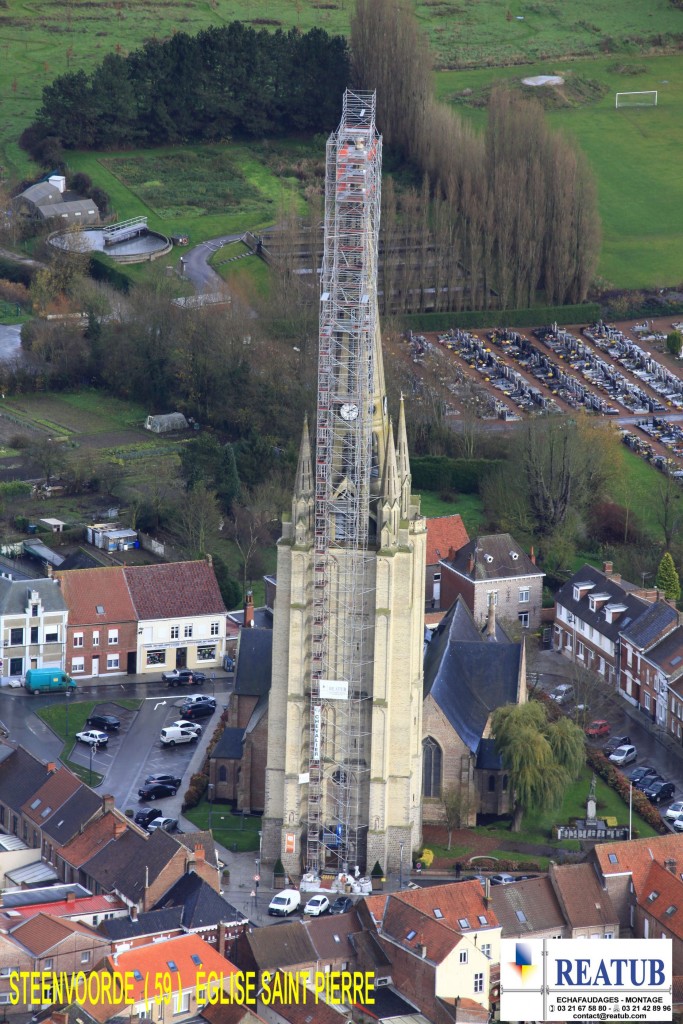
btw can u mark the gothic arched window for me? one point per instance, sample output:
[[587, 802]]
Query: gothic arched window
[[492, 783], [431, 767], [222, 774]]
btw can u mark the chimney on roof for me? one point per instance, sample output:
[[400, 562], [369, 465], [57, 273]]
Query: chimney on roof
[[608, 568], [108, 803], [422, 950], [209, 558], [71, 897], [532, 555], [199, 851], [49, 571], [470, 564], [487, 892], [670, 865], [133, 912], [119, 828], [249, 610], [51, 767], [59, 1017]]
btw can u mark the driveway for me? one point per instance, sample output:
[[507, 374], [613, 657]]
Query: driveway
[[195, 264]]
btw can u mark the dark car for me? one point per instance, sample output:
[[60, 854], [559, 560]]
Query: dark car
[[644, 772], [647, 782], [183, 677], [155, 791], [616, 741], [199, 710], [108, 723], [341, 905], [660, 792], [144, 817], [164, 780]]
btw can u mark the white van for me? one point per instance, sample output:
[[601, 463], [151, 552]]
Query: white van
[[284, 903], [172, 734]]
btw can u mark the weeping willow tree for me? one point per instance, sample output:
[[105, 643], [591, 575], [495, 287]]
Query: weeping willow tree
[[541, 757]]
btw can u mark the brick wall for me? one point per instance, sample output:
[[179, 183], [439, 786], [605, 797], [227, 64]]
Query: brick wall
[[127, 641], [455, 759]]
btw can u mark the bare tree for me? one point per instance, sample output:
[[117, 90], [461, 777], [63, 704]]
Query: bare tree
[[198, 514], [456, 802]]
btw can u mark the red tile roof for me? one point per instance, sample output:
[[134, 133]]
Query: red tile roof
[[81, 906], [661, 897], [94, 838], [157, 957], [445, 535], [54, 792], [174, 590], [86, 590], [636, 856], [42, 933], [584, 900]]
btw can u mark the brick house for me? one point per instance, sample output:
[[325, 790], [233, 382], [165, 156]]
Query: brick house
[[587, 907], [647, 644], [467, 675], [529, 909], [181, 616], [624, 870], [445, 536], [496, 565], [103, 628], [60, 945], [33, 623], [591, 610], [658, 910], [13, 957], [444, 946]]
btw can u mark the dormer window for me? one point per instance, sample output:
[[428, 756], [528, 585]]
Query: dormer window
[[596, 601], [581, 589]]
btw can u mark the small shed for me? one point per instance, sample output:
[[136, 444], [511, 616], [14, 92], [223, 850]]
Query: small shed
[[54, 525], [166, 422], [111, 538]]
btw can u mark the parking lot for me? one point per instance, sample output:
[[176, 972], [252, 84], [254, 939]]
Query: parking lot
[[103, 757]]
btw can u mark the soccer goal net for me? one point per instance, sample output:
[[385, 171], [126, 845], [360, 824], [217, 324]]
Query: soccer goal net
[[636, 99]]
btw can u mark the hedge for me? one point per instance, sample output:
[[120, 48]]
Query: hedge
[[440, 473], [102, 269], [20, 273], [603, 767], [12, 488], [537, 316]]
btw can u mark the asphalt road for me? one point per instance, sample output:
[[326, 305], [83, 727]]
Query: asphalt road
[[196, 267]]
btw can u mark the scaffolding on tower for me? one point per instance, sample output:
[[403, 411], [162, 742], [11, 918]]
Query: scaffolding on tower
[[342, 647]]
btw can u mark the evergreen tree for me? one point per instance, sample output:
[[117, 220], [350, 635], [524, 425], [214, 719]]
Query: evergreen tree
[[667, 578]]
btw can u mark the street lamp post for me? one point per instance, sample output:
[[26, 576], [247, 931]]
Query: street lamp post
[[93, 747], [400, 867], [210, 794], [68, 694]]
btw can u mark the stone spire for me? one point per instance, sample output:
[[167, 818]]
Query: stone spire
[[404, 475], [303, 499], [390, 499]]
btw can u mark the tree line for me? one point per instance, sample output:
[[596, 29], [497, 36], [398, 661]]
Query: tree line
[[233, 80], [514, 209]]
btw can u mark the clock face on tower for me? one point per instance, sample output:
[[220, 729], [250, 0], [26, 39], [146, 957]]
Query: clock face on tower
[[348, 411]]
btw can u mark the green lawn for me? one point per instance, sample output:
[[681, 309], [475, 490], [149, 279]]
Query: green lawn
[[635, 486], [235, 832], [467, 505], [55, 715]]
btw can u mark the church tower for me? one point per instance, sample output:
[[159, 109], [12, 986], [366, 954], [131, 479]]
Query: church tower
[[344, 763]]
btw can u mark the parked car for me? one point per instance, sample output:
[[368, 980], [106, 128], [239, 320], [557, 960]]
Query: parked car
[[616, 741], [164, 780], [644, 771], [341, 905], [145, 816], [563, 693], [155, 791], [660, 792], [502, 879], [108, 723], [167, 824], [625, 754], [172, 734], [648, 782], [317, 905], [598, 727], [677, 824], [199, 710], [284, 903], [93, 737], [674, 810], [183, 677], [199, 698], [182, 723]]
